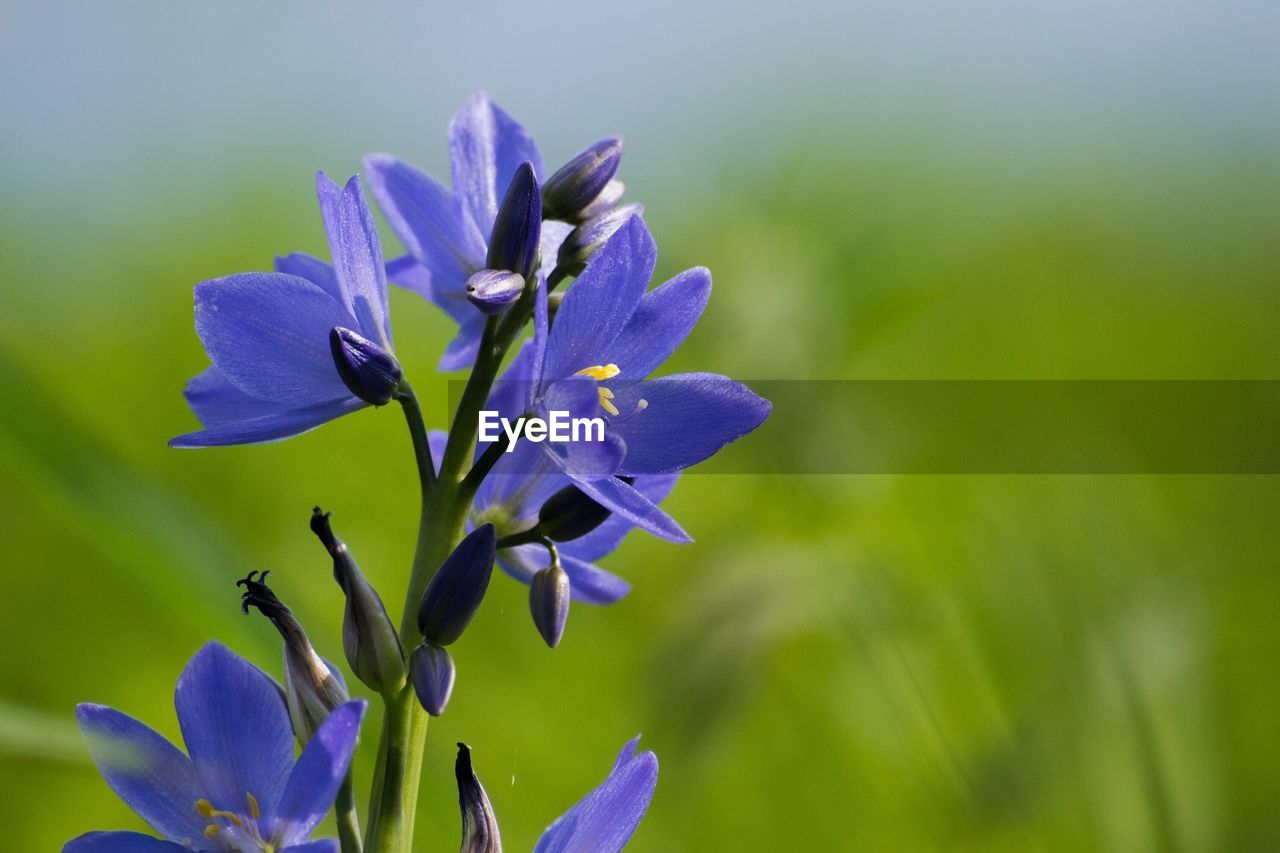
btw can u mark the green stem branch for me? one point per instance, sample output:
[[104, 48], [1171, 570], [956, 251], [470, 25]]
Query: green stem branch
[[344, 809]]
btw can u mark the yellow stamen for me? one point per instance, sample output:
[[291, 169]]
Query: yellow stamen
[[206, 810], [254, 811], [211, 830], [601, 372]]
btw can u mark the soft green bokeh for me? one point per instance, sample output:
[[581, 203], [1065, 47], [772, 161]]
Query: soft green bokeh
[[837, 662]]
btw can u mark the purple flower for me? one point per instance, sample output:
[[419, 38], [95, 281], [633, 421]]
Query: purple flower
[[609, 334], [240, 788], [522, 480], [300, 346], [447, 232], [601, 822]]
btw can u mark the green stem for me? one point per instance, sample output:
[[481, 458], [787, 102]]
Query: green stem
[[418, 433], [344, 810], [445, 502]]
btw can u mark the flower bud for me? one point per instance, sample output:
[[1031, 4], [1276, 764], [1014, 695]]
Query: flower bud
[[549, 602], [312, 688], [577, 184], [609, 196], [570, 514], [368, 371], [518, 227], [494, 291], [455, 593], [370, 641], [584, 240], [479, 824], [432, 672]]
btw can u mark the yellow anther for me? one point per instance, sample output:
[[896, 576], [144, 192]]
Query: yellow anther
[[206, 810], [600, 372], [254, 811], [211, 830]]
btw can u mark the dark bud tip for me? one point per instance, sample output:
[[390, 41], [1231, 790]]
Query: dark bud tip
[[518, 227], [479, 824], [570, 514], [323, 530], [454, 594], [549, 602], [577, 184], [584, 240], [258, 594], [368, 371], [432, 671], [494, 291]]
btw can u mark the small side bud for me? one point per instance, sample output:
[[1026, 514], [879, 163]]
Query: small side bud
[[549, 602], [454, 594], [584, 240], [369, 640], [479, 824], [578, 183], [368, 371], [312, 688], [570, 514], [518, 227], [432, 672], [494, 291]]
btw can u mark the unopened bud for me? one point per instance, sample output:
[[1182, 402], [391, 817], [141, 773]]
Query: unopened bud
[[455, 593], [432, 672], [312, 688], [518, 227], [549, 602], [368, 371], [584, 240], [494, 291], [570, 514], [609, 196], [479, 824], [577, 184], [369, 640]]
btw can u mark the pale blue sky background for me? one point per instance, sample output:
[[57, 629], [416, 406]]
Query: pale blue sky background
[[101, 98]]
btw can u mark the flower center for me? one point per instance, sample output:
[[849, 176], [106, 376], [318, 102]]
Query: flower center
[[601, 372], [236, 831]]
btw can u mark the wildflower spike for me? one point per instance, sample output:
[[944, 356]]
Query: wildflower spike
[[584, 240], [578, 183], [549, 600], [479, 824], [432, 672], [455, 593], [312, 688], [494, 291], [368, 371], [369, 640], [514, 243]]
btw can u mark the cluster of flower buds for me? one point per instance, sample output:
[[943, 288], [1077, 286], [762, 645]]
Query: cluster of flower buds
[[567, 515], [585, 187], [369, 640], [585, 194], [312, 687], [513, 246], [451, 600]]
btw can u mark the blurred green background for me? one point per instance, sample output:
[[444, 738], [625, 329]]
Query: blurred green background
[[881, 191]]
